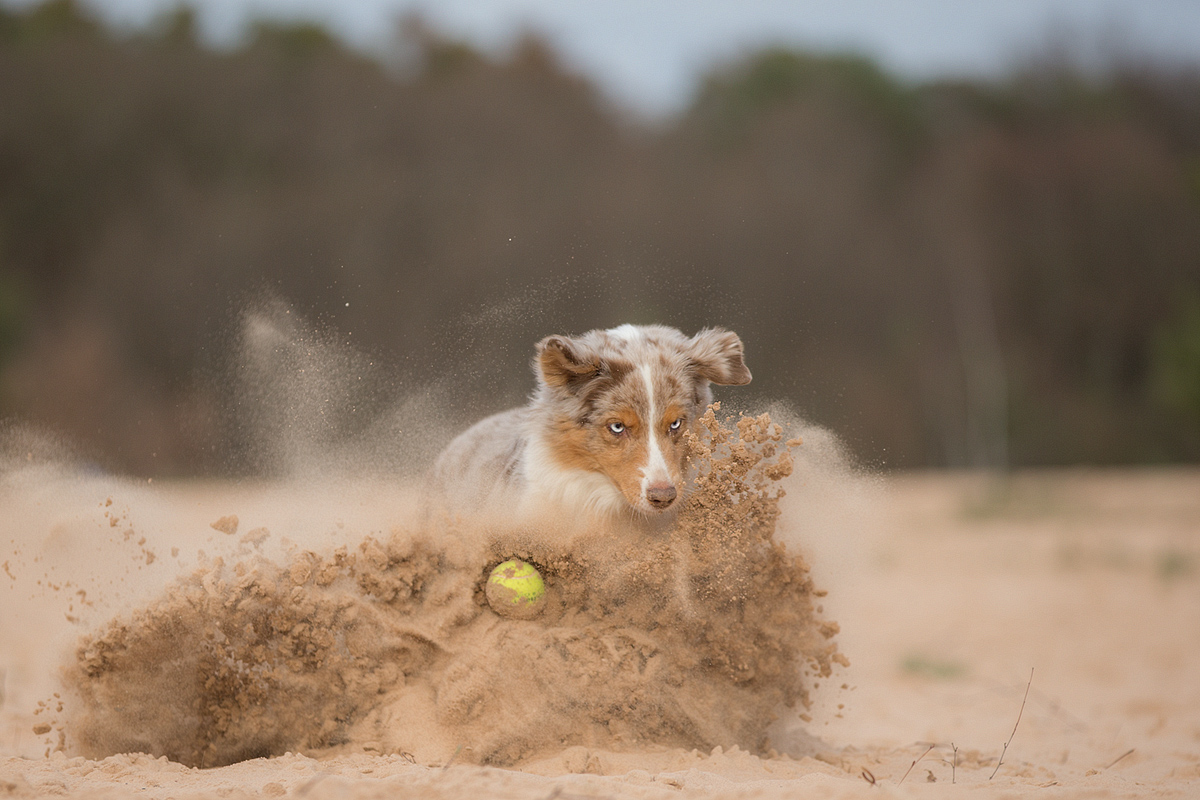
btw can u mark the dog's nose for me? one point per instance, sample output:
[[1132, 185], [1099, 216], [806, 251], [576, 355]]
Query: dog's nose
[[661, 496]]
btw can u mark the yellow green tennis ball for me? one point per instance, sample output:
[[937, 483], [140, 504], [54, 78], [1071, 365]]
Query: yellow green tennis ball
[[515, 589]]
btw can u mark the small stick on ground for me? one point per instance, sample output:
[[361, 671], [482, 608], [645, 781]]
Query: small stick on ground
[[1014, 730], [954, 763], [450, 761], [868, 776], [910, 766], [1118, 758]]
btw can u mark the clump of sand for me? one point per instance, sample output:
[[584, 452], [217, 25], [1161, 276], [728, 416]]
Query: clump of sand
[[694, 637]]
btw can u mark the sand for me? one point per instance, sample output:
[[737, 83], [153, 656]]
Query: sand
[[331, 647]]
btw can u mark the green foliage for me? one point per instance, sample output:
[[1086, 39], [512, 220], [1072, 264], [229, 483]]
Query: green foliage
[[296, 40], [46, 21], [444, 59], [733, 97], [1175, 376], [438, 57], [936, 668], [177, 27]]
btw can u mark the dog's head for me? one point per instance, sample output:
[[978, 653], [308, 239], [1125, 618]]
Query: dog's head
[[620, 400]]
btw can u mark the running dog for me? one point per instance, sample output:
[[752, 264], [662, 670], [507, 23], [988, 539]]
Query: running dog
[[603, 433]]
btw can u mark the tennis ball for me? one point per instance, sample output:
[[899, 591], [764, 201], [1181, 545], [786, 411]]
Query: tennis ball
[[515, 589]]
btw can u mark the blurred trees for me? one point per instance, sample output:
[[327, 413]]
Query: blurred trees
[[947, 274]]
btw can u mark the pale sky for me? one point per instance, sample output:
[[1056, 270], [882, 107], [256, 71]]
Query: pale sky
[[647, 54]]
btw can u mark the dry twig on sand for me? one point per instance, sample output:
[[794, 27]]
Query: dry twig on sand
[[1014, 730], [1118, 758], [450, 760], [910, 766]]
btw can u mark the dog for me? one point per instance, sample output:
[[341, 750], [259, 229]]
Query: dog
[[603, 434]]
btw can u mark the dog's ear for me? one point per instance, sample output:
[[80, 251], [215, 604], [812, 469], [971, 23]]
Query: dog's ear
[[564, 363], [717, 354]]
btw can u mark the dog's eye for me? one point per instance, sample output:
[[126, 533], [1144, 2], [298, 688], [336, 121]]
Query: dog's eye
[[677, 424], [616, 428]]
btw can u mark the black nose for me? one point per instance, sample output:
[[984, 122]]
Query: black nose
[[661, 496]]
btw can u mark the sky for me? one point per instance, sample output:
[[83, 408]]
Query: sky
[[648, 55]]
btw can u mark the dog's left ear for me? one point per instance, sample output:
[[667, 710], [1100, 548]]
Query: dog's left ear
[[717, 354]]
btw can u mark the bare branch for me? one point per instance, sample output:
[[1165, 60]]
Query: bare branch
[[910, 766], [1014, 730]]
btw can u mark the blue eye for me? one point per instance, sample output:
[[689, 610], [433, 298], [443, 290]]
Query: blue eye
[[616, 428], [676, 424]]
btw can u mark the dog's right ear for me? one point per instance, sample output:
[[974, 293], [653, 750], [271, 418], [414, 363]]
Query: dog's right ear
[[563, 363]]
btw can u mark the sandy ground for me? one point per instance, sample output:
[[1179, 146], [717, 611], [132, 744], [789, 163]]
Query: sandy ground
[[1069, 601]]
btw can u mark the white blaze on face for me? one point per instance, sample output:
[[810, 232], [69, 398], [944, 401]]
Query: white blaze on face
[[655, 472]]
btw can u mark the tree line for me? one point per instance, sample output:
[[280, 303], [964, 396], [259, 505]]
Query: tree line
[[953, 273]]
